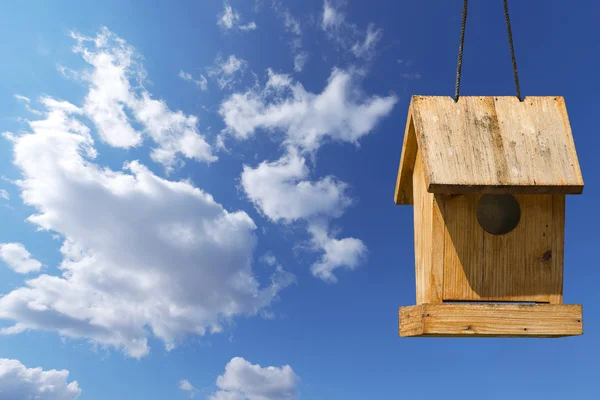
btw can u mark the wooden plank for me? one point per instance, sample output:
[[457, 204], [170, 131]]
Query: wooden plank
[[518, 266], [463, 249], [427, 214], [409, 323], [438, 240], [491, 320], [496, 144], [522, 265], [404, 185], [558, 247]]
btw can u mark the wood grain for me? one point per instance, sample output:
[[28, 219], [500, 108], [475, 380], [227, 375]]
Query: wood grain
[[522, 265], [491, 145], [518, 266], [429, 243], [463, 249], [404, 185], [558, 247], [491, 320]]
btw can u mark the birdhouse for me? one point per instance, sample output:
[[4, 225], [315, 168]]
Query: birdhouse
[[488, 177]]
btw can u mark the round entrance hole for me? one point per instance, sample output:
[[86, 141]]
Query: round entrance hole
[[498, 214]]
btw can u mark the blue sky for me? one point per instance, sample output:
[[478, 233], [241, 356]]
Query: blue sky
[[197, 198]]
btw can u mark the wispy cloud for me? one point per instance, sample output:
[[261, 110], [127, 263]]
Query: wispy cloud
[[230, 19], [293, 27], [26, 101], [227, 71], [201, 82], [4, 194], [347, 35]]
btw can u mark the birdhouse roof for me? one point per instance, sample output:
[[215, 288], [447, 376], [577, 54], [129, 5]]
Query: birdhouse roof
[[489, 145]]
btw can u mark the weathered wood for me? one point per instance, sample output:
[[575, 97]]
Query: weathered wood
[[558, 246], [491, 145], [429, 243], [463, 244], [522, 265], [492, 320], [518, 266], [404, 185]]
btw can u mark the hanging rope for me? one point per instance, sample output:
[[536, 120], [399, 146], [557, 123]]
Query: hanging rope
[[512, 50], [462, 42], [460, 49]]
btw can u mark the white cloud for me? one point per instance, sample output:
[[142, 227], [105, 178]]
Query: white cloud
[[339, 112], [300, 61], [16, 256], [230, 19], [115, 65], [347, 35], [22, 98], [201, 83], [282, 192], [248, 27], [4, 194], [292, 25], [366, 49], [226, 72], [331, 16], [142, 255], [186, 386], [27, 102], [19, 382], [345, 253], [245, 381]]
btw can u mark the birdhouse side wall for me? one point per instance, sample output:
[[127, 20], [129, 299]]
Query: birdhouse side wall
[[429, 239]]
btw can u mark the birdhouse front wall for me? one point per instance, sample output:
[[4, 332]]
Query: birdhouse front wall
[[457, 260]]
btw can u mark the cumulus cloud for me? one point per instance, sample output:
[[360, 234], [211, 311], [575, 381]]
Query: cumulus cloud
[[142, 255], [19, 382], [227, 71], [16, 256], [283, 190], [201, 83], [347, 35], [245, 381], [340, 112], [345, 253], [186, 386], [116, 89], [230, 19]]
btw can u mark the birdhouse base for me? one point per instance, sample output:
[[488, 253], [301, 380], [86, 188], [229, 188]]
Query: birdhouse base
[[491, 320]]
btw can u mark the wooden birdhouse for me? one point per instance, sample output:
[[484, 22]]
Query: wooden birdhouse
[[487, 177]]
